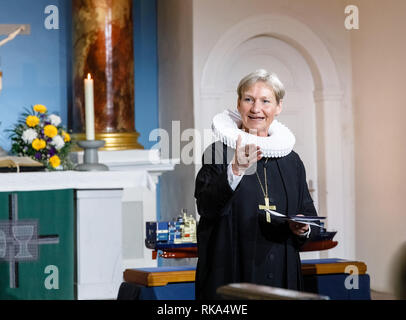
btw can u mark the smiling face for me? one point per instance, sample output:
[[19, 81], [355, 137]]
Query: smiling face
[[258, 107]]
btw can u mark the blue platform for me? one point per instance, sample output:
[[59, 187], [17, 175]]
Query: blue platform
[[331, 285], [172, 291], [334, 284]]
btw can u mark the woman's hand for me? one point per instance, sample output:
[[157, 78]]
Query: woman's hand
[[298, 228], [244, 157]]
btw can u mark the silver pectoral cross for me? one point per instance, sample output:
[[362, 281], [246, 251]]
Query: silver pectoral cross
[[267, 206]]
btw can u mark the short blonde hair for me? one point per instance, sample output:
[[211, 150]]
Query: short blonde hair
[[271, 79]]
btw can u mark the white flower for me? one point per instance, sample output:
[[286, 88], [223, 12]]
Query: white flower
[[54, 119], [29, 135], [58, 142]]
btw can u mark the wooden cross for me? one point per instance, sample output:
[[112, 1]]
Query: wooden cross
[[267, 206]]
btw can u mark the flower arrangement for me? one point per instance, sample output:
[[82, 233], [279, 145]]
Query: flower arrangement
[[42, 137]]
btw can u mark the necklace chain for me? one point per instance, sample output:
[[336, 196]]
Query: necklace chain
[[265, 192]]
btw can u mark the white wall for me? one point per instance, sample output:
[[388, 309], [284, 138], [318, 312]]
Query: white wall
[[212, 18], [379, 68]]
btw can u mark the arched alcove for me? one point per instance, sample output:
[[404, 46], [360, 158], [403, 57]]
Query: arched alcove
[[328, 99]]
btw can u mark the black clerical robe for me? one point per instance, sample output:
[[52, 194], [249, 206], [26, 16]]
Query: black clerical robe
[[235, 242]]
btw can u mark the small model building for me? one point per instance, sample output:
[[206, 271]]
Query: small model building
[[168, 234]]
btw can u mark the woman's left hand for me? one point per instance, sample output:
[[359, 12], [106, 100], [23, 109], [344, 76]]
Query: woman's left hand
[[298, 228]]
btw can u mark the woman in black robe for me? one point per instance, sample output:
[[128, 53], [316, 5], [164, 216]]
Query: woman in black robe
[[237, 240]]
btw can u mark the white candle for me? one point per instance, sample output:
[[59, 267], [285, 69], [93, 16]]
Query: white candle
[[89, 107]]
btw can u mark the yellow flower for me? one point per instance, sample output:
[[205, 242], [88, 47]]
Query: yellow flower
[[38, 144], [66, 136], [55, 161], [40, 108], [32, 121], [50, 131]]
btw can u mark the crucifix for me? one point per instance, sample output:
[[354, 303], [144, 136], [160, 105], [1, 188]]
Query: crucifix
[[12, 31], [19, 240], [266, 197], [267, 206]]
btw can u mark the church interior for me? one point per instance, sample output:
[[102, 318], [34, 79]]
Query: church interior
[[136, 83]]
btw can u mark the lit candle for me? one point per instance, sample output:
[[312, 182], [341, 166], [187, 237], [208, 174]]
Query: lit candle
[[89, 108]]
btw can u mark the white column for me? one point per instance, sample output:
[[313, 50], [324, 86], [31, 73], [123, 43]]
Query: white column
[[333, 181]]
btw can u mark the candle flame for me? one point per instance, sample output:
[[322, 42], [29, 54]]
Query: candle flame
[[89, 76]]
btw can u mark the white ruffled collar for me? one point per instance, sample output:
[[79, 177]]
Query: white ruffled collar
[[279, 143]]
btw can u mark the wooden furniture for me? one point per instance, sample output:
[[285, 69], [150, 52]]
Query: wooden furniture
[[250, 291], [337, 279], [331, 266], [187, 252], [162, 283], [153, 277], [191, 252], [318, 245]]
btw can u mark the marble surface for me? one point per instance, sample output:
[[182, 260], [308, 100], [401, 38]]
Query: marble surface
[[103, 47]]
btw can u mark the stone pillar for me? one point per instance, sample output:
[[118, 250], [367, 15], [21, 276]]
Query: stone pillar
[[103, 47]]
